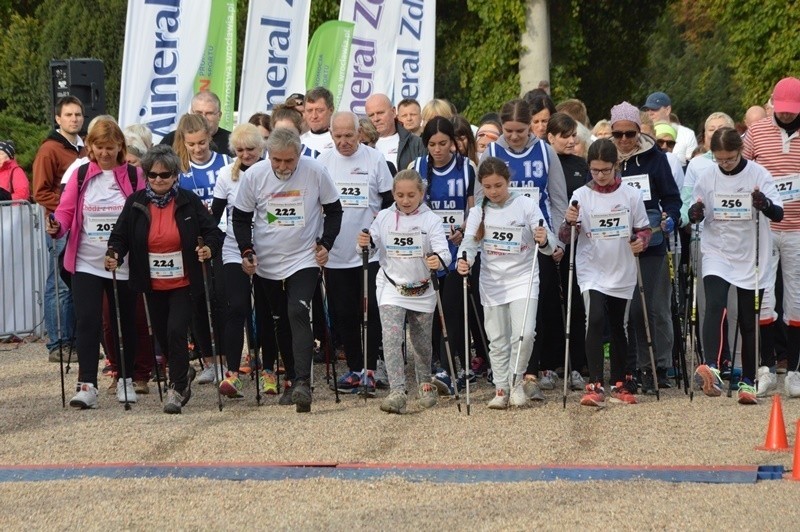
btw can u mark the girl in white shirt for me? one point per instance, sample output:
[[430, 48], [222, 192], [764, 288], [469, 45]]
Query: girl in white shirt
[[607, 215], [411, 242], [730, 196], [505, 228]]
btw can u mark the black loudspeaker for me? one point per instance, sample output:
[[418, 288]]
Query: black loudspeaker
[[83, 78]]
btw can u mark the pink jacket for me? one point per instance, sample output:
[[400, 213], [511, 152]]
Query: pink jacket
[[12, 176], [70, 207]]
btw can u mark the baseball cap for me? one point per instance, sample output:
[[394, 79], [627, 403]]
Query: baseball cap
[[656, 100], [786, 96]]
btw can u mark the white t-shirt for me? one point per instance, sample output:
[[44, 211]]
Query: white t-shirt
[[414, 236], [287, 214], [507, 248], [77, 163], [388, 147], [603, 257], [360, 179], [320, 142], [729, 227], [685, 143], [102, 203], [225, 189]]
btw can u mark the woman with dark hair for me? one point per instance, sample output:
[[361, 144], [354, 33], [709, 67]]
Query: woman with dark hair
[[449, 181], [542, 108], [159, 226], [536, 172], [263, 123], [562, 135], [738, 192], [88, 209], [465, 139]]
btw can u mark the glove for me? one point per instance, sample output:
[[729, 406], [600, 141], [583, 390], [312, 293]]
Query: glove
[[760, 201], [668, 225], [696, 212]]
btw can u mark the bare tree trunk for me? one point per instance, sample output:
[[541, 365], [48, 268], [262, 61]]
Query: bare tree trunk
[[534, 61]]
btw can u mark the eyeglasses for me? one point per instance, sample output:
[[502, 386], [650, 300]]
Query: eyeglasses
[[626, 134], [729, 160], [601, 171], [207, 114], [665, 142], [160, 175]]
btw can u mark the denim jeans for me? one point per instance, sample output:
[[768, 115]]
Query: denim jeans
[[65, 296]]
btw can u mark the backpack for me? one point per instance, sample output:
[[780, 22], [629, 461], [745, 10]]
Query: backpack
[[65, 275]]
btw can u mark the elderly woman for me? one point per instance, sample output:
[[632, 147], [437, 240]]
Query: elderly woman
[[159, 227]]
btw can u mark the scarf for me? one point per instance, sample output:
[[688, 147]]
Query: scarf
[[161, 201]]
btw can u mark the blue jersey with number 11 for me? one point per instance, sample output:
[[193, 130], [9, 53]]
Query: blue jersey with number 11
[[529, 170]]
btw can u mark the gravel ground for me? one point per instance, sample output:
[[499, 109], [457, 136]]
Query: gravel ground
[[36, 430]]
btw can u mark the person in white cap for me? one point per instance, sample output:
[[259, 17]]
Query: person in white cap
[[774, 143]]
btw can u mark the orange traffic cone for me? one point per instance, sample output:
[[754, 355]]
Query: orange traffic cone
[[776, 430], [796, 461]]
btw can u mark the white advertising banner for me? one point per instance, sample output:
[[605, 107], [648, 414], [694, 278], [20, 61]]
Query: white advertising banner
[[173, 49], [372, 50], [275, 48], [416, 51]]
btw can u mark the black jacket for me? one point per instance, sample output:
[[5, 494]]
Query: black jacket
[[409, 147], [131, 232]]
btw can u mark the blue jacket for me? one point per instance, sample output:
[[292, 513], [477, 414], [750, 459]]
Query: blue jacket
[[664, 194]]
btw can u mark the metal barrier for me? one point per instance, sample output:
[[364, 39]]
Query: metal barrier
[[23, 261]]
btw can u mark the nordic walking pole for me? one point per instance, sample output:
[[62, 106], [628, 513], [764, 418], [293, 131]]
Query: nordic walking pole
[[646, 324], [218, 358], [58, 315], [365, 305], [693, 315], [525, 314], [465, 290], [253, 350], [569, 303], [436, 285], [153, 347], [121, 362], [329, 340], [731, 383], [757, 303]]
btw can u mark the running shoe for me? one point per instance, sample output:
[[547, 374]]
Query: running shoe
[[245, 367], [211, 374], [395, 403], [286, 396], [747, 393], [462, 379], [766, 382], [708, 378], [301, 396], [268, 382], [518, 397], [125, 391], [791, 384], [530, 386], [443, 383], [548, 380], [231, 387], [368, 386], [630, 384], [499, 401], [348, 381], [621, 393], [428, 396], [595, 395], [479, 365], [577, 382], [85, 396]]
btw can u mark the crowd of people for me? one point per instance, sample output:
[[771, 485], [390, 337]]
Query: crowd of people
[[525, 249]]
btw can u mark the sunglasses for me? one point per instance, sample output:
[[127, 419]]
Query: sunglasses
[[626, 134], [665, 142], [159, 175]]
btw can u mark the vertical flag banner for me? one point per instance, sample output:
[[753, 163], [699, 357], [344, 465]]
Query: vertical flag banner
[[372, 51], [173, 48], [329, 57], [274, 63], [416, 51]]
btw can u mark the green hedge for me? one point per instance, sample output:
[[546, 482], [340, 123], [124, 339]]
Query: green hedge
[[26, 136]]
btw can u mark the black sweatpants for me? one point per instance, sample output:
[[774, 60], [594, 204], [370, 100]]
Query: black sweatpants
[[171, 313], [598, 307], [87, 292]]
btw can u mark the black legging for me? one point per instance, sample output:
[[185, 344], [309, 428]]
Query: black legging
[[598, 308], [716, 310], [87, 292], [237, 290], [548, 347], [170, 313]]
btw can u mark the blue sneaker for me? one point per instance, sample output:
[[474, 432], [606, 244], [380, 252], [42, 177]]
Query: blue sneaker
[[348, 381], [369, 386], [462, 379], [443, 383]]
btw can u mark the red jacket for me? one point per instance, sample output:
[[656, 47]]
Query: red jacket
[[14, 180], [52, 160]]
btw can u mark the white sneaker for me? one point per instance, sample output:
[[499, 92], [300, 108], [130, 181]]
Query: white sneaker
[[548, 380], [518, 397], [791, 384], [767, 382], [127, 388], [86, 396], [211, 374], [500, 400], [577, 381]]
